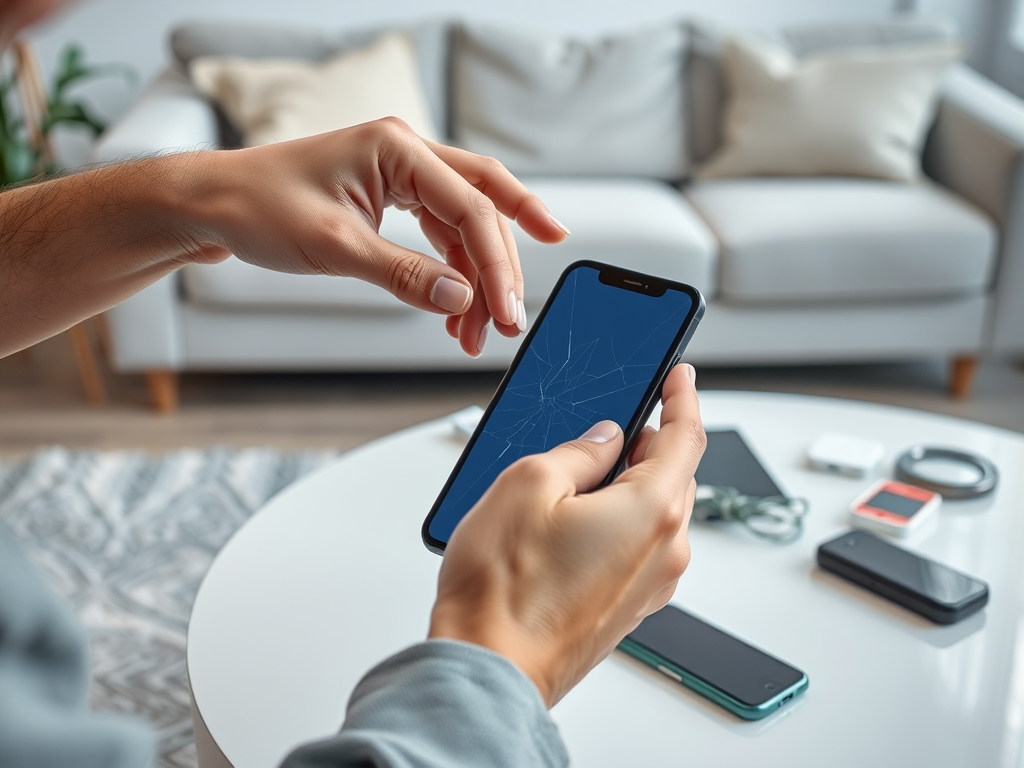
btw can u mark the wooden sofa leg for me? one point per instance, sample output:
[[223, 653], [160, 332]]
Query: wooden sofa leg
[[962, 371], [88, 365], [163, 390]]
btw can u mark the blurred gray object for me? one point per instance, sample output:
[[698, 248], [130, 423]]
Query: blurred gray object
[[796, 270]]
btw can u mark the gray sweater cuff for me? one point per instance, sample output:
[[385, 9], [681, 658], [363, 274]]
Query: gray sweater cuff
[[441, 703]]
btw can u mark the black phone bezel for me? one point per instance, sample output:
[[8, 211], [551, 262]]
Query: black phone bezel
[[830, 559], [609, 275]]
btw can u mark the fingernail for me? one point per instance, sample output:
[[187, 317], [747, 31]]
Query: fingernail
[[521, 317], [559, 224], [482, 339], [513, 308], [601, 432], [450, 295], [691, 372]]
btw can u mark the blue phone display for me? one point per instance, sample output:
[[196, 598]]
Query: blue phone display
[[593, 356]]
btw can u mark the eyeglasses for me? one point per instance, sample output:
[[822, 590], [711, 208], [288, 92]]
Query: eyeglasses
[[775, 518]]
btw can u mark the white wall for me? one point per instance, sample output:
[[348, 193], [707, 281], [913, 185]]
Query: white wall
[[135, 31], [978, 24]]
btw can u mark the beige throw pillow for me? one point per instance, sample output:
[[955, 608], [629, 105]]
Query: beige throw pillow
[[851, 112], [272, 100]]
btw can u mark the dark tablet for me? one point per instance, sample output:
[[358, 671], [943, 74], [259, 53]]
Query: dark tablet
[[729, 463]]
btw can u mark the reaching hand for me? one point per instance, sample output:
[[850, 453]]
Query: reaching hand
[[551, 576], [315, 205], [75, 246]]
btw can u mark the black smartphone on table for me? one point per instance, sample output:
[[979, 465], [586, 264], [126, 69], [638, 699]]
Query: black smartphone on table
[[745, 680], [931, 589], [600, 349]]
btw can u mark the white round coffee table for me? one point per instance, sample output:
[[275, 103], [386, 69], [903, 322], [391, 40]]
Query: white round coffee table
[[331, 577]]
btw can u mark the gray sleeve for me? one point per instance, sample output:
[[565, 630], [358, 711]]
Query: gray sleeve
[[441, 703], [44, 682]]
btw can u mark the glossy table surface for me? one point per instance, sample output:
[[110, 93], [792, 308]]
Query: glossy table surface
[[331, 577]]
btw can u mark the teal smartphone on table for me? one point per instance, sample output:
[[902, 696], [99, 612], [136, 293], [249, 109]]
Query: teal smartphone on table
[[745, 680]]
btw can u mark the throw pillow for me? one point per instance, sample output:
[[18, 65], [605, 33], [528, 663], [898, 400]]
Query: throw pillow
[[267, 40], [848, 112], [272, 100], [542, 103]]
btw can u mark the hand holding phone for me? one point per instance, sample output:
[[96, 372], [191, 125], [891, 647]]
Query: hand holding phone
[[550, 573], [600, 349]]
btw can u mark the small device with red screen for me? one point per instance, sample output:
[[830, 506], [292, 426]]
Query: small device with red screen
[[893, 508]]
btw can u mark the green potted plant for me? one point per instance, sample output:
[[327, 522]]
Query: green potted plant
[[24, 138]]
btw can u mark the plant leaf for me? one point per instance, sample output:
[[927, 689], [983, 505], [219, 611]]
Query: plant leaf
[[72, 113], [19, 161], [72, 68]]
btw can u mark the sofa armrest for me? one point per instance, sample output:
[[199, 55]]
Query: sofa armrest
[[169, 116], [976, 149], [146, 330]]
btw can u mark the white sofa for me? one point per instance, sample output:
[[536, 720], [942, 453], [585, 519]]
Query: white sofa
[[794, 269]]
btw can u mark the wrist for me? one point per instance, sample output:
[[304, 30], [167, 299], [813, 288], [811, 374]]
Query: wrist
[[191, 199], [496, 636]]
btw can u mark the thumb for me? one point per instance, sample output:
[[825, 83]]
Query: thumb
[[413, 277], [586, 461]]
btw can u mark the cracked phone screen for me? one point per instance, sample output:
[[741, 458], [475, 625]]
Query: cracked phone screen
[[593, 358]]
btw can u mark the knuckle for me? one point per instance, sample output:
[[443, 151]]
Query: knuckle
[[532, 471], [697, 438], [678, 562], [491, 166], [393, 127], [585, 450], [405, 273], [670, 507], [482, 207]]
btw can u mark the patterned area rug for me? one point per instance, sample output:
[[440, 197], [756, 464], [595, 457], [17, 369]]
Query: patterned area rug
[[127, 537]]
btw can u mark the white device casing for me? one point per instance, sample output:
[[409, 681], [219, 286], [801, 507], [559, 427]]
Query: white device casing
[[880, 524], [845, 455], [465, 421]]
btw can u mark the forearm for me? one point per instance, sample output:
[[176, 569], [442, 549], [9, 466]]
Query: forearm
[[441, 703], [75, 246], [72, 247]]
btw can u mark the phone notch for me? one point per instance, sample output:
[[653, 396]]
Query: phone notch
[[631, 281]]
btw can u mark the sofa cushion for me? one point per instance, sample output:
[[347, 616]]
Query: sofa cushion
[[543, 103], [636, 223], [271, 100], [277, 41], [849, 112], [705, 84], [822, 240]]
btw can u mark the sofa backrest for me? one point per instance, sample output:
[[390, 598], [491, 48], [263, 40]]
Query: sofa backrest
[[705, 86], [546, 103], [702, 85], [266, 41]]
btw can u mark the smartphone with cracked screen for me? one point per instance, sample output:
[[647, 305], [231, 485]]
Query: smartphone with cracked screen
[[600, 349]]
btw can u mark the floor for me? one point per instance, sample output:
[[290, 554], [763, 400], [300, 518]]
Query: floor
[[42, 403]]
